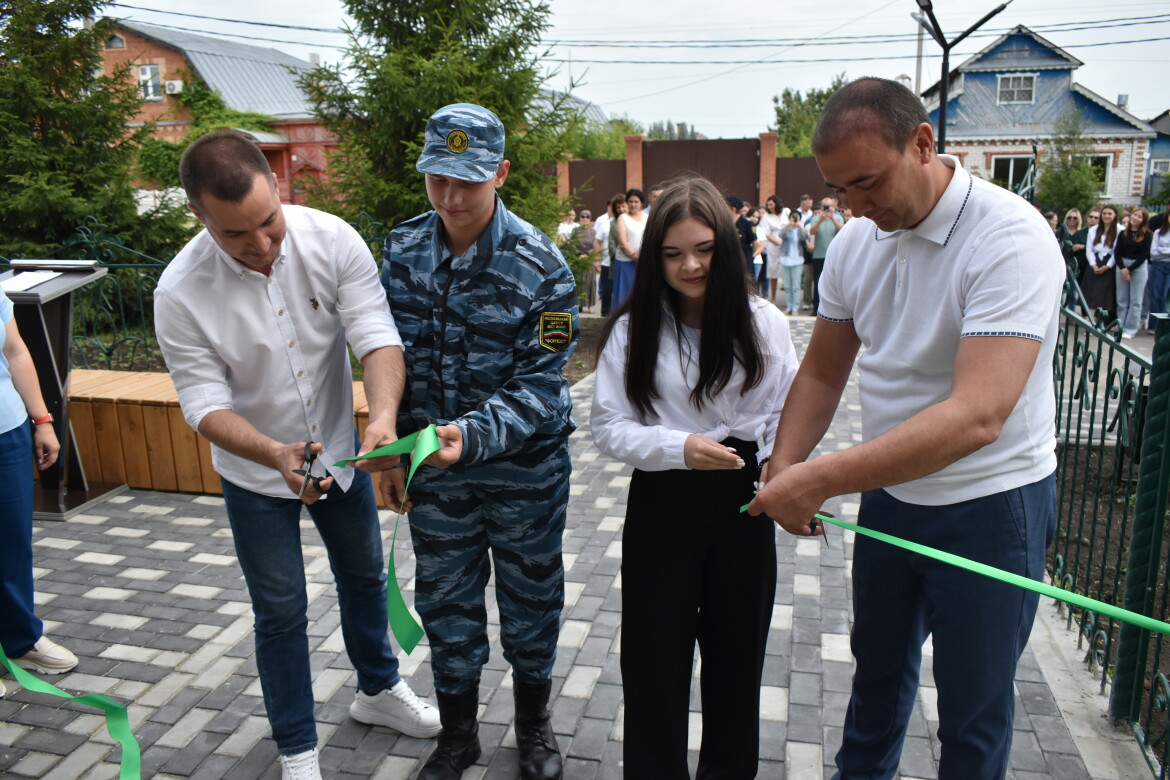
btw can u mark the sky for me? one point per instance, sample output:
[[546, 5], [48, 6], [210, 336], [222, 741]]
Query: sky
[[739, 57]]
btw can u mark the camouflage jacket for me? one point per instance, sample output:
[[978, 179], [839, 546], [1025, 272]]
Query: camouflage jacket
[[487, 334]]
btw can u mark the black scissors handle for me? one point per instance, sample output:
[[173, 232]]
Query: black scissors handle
[[306, 471]]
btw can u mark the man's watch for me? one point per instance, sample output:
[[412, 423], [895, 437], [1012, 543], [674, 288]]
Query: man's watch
[[47, 417]]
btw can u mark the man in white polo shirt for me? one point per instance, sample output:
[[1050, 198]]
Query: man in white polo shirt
[[952, 285]]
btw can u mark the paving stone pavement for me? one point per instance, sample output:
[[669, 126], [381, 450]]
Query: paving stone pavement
[[146, 590]]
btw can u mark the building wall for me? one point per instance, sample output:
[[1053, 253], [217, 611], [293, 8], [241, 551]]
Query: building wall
[[1127, 172], [171, 117], [305, 153]]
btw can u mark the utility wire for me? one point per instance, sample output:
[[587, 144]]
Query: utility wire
[[233, 21], [814, 59], [882, 38]]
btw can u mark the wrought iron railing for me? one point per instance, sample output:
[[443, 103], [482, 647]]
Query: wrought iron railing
[[1113, 425]]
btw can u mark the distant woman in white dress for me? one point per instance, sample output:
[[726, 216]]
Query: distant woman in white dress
[[630, 227]]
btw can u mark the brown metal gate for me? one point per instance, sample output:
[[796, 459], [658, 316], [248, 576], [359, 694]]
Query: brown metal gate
[[594, 182], [732, 164]]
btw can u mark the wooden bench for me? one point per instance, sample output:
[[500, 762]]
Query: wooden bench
[[130, 429]]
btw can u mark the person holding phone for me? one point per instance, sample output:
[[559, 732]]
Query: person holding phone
[[792, 261]]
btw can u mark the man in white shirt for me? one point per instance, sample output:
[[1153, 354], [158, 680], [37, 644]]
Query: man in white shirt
[[253, 317], [953, 286]]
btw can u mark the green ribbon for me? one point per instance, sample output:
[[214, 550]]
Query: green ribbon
[[418, 445], [1044, 589], [117, 720]]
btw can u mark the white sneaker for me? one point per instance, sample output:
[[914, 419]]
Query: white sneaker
[[47, 657], [300, 766], [397, 708], [3, 690]]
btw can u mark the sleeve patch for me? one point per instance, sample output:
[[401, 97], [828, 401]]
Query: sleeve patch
[[556, 330]]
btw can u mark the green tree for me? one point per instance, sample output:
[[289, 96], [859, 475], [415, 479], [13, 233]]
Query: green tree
[[409, 58], [1066, 178], [797, 116], [603, 141], [672, 131], [66, 151]]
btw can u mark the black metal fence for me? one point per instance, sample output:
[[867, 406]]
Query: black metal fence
[[1113, 425]]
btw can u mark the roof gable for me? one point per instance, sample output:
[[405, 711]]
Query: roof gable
[[249, 78], [1021, 49]]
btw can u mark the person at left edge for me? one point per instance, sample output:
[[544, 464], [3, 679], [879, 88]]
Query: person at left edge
[[489, 307], [253, 317], [21, 631]]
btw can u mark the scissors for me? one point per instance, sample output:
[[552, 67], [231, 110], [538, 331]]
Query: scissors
[[306, 471], [824, 528]]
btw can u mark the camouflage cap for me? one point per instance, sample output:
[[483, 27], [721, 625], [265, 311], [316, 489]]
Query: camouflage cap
[[463, 141]]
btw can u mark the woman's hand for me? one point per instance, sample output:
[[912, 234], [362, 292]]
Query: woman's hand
[[705, 454], [1125, 274]]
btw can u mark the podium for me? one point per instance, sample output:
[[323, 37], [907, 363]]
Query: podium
[[44, 314]]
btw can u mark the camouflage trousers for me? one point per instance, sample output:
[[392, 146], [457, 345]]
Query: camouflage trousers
[[515, 509]]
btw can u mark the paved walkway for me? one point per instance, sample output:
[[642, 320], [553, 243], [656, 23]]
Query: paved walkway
[[146, 590]]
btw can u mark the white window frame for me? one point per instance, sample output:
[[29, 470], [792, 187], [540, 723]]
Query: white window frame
[[1007, 77], [1108, 167], [116, 42], [1017, 170], [150, 82], [1160, 165]]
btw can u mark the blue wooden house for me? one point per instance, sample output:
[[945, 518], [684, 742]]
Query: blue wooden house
[[1006, 100]]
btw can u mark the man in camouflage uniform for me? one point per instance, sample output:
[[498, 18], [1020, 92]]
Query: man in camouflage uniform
[[488, 309]]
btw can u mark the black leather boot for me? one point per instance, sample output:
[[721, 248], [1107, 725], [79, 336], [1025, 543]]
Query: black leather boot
[[458, 746], [540, 759]]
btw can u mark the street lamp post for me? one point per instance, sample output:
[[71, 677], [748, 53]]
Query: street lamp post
[[936, 32]]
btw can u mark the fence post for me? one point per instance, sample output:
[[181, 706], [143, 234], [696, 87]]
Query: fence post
[[1142, 565]]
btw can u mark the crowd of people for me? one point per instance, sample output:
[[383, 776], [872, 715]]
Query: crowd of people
[[468, 327], [783, 249], [1122, 262]]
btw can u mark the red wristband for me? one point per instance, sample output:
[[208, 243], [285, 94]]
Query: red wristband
[[45, 418]]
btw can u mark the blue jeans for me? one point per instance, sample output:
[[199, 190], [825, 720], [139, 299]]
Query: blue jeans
[[979, 627], [792, 275], [267, 536], [1129, 298], [1159, 285], [19, 627]]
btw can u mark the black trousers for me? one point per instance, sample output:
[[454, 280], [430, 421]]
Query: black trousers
[[695, 569]]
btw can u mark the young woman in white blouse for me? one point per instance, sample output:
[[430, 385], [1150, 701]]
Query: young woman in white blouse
[[693, 373], [1099, 284]]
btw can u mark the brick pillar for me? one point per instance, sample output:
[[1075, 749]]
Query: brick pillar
[[767, 166], [563, 184], [633, 162]]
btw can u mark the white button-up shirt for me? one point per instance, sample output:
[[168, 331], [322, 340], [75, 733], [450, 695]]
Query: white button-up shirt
[[273, 348], [657, 443]]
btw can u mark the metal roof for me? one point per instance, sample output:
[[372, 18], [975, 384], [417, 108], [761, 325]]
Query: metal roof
[[250, 78]]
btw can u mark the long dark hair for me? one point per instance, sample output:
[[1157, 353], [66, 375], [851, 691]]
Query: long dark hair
[[1111, 238], [1139, 233], [728, 335]]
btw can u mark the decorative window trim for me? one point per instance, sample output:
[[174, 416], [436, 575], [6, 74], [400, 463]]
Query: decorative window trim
[[1000, 88], [150, 83]]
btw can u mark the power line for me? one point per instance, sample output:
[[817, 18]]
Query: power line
[[577, 60], [247, 37], [883, 38], [233, 21]]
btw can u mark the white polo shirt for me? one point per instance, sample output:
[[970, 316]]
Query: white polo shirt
[[982, 263]]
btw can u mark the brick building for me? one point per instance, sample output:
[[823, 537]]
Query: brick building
[[249, 78]]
